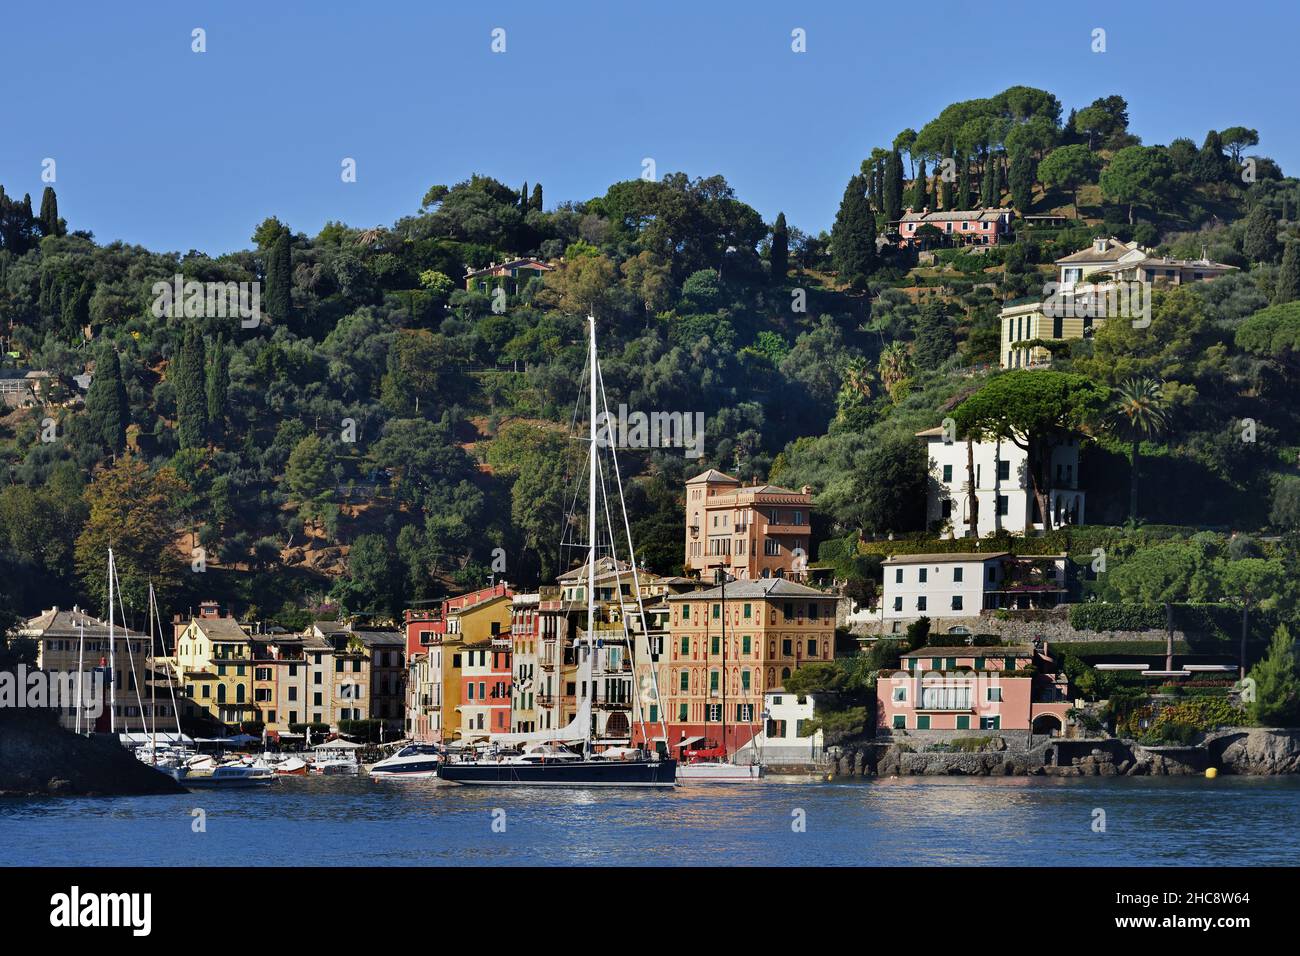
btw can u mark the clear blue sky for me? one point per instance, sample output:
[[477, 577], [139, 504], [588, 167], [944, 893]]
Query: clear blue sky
[[176, 150]]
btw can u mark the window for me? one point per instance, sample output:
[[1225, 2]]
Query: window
[[713, 713], [994, 695], [713, 681], [745, 713], [923, 574], [947, 473], [946, 696], [685, 683], [920, 603], [744, 680], [898, 575], [716, 645], [681, 713], [1003, 505], [898, 604], [745, 644], [945, 508], [923, 722], [956, 602], [747, 612], [900, 694], [900, 722], [963, 722], [990, 723], [786, 648], [1010, 663], [1004, 470], [812, 648], [686, 646]]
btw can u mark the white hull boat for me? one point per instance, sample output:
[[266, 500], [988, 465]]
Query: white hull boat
[[719, 773]]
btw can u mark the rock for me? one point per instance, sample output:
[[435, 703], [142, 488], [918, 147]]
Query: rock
[[1262, 751]]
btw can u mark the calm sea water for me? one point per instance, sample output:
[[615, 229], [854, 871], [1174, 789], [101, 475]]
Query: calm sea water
[[912, 821]]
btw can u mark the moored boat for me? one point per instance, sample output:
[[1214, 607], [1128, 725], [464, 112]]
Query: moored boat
[[233, 777], [412, 762]]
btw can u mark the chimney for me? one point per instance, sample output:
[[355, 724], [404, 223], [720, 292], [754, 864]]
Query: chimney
[[806, 490]]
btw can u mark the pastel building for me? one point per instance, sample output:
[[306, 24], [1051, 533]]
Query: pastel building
[[1003, 489], [748, 531], [967, 227], [485, 689], [944, 689]]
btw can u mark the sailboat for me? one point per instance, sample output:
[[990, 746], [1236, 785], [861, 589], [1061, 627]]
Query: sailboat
[[715, 764], [548, 760]]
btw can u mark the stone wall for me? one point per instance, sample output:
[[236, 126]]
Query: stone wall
[[1023, 626]]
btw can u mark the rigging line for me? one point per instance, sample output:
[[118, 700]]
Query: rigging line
[[636, 579], [130, 657], [171, 684], [618, 592]]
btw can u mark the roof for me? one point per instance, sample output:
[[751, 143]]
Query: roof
[[527, 262], [712, 475], [935, 432], [966, 650], [69, 623], [757, 588], [220, 628], [1112, 253], [949, 558], [956, 215]]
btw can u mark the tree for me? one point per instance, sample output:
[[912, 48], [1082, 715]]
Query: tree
[[1137, 175], [892, 188], [279, 279], [920, 189], [373, 581], [1139, 414], [51, 224], [894, 370], [218, 389], [1277, 684], [853, 236], [779, 256], [1259, 242], [1068, 167], [1236, 139], [934, 337], [1036, 411], [308, 476], [106, 402], [889, 488], [1021, 180], [190, 381], [1209, 165], [1164, 575], [535, 204], [945, 180], [963, 200], [135, 512], [1247, 582], [1285, 512], [1287, 288]]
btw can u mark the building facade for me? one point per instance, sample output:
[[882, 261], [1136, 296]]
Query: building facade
[[749, 532], [967, 227]]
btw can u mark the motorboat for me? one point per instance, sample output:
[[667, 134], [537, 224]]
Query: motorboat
[[233, 777], [719, 772], [412, 762], [290, 767]]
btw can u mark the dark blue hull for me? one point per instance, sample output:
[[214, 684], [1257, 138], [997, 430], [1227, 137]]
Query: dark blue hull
[[585, 773]]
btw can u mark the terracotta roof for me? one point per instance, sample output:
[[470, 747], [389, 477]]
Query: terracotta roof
[[944, 558], [757, 588], [712, 475], [966, 650]]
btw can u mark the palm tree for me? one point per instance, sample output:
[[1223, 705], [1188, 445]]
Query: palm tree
[[893, 368], [1139, 413]]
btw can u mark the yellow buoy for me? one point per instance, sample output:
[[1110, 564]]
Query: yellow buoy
[[1211, 773]]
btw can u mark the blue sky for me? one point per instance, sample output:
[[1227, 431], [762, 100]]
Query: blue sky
[[175, 150]]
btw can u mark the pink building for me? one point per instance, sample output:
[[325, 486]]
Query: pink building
[[972, 688], [963, 227], [485, 675]]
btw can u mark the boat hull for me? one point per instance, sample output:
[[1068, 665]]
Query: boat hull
[[576, 774], [719, 773]]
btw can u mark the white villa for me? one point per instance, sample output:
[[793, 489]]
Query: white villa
[[1003, 489]]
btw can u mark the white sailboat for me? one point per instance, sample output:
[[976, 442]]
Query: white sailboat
[[547, 760]]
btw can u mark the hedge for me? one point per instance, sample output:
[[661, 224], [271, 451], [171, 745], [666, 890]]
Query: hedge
[[1218, 622]]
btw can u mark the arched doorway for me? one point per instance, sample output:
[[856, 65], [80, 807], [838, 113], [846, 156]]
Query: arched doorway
[[1047, 725], [617, 725]]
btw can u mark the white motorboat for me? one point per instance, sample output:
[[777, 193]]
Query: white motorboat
[[337, 762], [233, 777], [291, 767], [413, 762]]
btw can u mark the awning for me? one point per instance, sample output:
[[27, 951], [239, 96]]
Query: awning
[[687, 741], [338, 745]]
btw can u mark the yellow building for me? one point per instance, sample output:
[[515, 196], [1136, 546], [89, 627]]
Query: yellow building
[[214, 665]]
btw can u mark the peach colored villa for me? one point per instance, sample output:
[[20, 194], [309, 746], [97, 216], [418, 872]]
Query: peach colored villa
[[749, 531], [965, 227], [972, 688]]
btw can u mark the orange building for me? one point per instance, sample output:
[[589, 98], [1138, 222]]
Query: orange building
[[772, 627], [750, 531]]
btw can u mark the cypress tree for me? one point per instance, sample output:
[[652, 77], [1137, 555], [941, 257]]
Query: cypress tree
[[1022, 180], [1288, 278], [523, 196], [780, 253], [218, 390], [106, 403], [1259, 242], [964, 200], [945, 182], [536, 203], [853, 236], [878, 184], [893, 188], [279, 279], [190, 381], [49, 218], [920, 189]]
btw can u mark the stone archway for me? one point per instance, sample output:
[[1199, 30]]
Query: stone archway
[[1047, 725]]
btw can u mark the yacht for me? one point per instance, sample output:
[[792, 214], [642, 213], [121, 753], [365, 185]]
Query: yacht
[[551, 762], [412, 762], [233, 776]]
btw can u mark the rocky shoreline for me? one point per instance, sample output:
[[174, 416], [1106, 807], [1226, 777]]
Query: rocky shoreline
[[1241, 752], [38, 759]]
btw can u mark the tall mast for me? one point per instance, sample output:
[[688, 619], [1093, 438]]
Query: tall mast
[[591, 520], [81, 669], [112, 653], [726, 754]]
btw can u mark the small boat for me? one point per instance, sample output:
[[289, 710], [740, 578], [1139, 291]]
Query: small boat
[[719, 772], [336, 762], [233, 777], [202, 763], [291, 767], [413, 762]]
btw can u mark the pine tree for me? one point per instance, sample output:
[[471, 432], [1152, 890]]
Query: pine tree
[[218, 390], [106, 402], [1287, 288], [536, 203], [920, 189], [853, 236], [189, 382], [892, 195], [49, 218], [1259, 242], [279, 279], [1277, 686], [780, 253]]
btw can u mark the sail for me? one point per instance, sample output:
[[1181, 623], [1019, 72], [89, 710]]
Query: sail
[[574, 732]]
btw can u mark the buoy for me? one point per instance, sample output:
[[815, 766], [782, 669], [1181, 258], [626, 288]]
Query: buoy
[[1211, 773]]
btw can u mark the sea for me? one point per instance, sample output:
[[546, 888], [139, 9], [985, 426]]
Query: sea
[[922, 821]]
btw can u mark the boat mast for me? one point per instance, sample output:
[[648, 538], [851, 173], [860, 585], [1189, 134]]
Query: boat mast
[[722, 577], [591, 523], [81, 669], [153, 691], [112, 653]]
